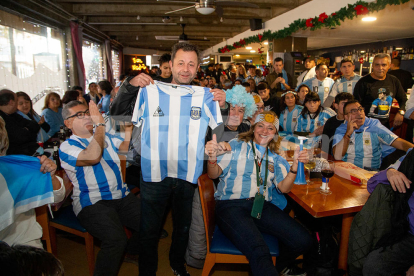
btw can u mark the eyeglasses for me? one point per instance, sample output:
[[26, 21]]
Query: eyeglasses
[[355, 111], [80, 114]]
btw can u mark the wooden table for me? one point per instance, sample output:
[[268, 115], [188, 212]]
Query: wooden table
[[347, 199]]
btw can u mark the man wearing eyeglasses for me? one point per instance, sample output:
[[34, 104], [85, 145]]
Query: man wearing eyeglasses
[[101, 199], [360, 140]]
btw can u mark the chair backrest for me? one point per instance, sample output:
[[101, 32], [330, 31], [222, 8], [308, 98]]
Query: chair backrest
[[208, 204]]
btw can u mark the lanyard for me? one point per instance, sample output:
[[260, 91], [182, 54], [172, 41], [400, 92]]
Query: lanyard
[[258, 169]]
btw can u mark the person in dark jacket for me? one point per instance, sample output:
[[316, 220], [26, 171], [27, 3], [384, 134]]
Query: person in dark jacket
[[405, 77], [22, 133]]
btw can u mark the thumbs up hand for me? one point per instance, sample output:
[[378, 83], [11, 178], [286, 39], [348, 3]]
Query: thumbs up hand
[[212, 148]]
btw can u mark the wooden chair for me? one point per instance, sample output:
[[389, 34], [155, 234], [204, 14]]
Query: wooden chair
[[67, 221], [43, 219], [219, 248]]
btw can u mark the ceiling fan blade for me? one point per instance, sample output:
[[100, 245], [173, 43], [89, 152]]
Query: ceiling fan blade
[[186, 2], [235, 4], [219, 11], [180, 9]]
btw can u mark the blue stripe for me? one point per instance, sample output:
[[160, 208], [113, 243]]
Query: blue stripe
[[183, 136], [164, 104], [146, 136], [84, 198], [114, 167], [359, 150], [248, 171]]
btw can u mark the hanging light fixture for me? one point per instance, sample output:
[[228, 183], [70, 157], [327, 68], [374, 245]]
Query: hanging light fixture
[[181, 19]]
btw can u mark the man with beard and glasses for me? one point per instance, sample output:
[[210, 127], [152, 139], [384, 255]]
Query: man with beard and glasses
[[173, 120]]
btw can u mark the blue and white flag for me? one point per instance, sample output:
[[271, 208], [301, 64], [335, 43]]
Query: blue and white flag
[[22, 187]]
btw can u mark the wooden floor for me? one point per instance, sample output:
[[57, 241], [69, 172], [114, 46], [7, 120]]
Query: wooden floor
[[72, 253]]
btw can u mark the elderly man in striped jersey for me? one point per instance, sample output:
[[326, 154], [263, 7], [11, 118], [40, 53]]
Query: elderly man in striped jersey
[[345, 84]]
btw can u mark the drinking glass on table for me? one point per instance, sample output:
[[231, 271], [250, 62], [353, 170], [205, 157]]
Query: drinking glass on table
[[310, 165], [327, 170], [291, 151]]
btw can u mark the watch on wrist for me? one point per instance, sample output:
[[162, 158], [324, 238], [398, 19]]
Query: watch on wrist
[[100, 124], [402, 112]]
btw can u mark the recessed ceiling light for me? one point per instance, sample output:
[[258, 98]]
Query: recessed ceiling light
[[252, 51], [398, 48], [369, 18], [266, 43], [248, 48], [237, 55]]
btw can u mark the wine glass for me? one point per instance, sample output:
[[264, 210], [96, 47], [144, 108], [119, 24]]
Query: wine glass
[[327, 170], [310, 165]]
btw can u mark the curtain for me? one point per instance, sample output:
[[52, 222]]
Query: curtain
[[110, 71], [77, 35]]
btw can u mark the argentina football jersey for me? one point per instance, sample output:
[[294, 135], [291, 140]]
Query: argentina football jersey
[[309, 124], [174, 120], [288, 120], [341, 85], [321, 87]]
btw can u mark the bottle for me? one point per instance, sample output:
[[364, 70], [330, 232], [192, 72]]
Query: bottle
[[56, 158], [62, 134], [68, 132]]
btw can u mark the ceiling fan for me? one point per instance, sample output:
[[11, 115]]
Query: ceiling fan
[[209, 6], [181, 38]]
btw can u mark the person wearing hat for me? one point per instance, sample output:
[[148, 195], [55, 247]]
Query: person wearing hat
[[309, 73], [248, 172], [290, 111]]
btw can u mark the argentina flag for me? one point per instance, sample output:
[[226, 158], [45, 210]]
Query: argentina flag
[[22, 187]]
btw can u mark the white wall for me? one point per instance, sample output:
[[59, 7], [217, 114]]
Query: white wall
[[307, 10]]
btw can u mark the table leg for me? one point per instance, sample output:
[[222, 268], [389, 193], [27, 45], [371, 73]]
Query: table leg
[[343, 245]]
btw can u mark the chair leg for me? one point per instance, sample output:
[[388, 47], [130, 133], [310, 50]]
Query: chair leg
[[274, 260], [208, 263], [90, 253], [52, 233]]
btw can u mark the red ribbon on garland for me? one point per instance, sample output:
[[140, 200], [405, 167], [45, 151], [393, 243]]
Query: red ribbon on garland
[[361, 10], [309, 23]]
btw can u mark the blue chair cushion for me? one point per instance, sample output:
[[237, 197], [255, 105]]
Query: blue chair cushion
[[67, 217], [222, 245]]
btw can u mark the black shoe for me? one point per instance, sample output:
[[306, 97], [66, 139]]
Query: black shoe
[[182, 271], [164, 234], [293, 270]]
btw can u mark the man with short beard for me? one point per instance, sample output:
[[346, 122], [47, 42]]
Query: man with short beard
[[320, 84], [174, 121], [367, 88]]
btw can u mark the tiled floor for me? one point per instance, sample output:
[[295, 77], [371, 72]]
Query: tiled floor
[[72, 253]]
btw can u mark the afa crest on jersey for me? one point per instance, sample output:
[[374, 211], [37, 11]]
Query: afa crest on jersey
[[195, 113]]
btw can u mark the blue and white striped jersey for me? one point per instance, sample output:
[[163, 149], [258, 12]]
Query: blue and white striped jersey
[[365, 145], [174, 120], [341, 85], [102, 181], [239, 180], [321, 87], [288, 120], [308, 124]]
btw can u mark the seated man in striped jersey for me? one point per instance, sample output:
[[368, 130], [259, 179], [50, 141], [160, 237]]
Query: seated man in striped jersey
[[360, 140], [101, 200]]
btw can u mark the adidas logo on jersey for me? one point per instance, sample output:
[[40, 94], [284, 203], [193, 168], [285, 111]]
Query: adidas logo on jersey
[[158, 112]]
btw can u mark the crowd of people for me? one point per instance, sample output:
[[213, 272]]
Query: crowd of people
[[179, 122]]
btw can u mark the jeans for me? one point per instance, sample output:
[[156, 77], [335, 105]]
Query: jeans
[[234, 220], [395, 259], [154, 200], [105, 220]]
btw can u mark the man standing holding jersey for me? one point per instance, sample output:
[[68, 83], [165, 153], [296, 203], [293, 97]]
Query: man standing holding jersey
[[174, 120]]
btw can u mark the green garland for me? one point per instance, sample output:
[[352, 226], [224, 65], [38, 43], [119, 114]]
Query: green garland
[[317, 22]]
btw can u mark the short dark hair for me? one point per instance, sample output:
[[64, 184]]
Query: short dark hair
[[252, 66], [106, 86], [186, 47], [304, 85], [77, 87], [91, 84], [343, 96], [319, 65], [348, 103], [347, 60], [245, 84], [65, 110], [6, 96], [164, 58], [278, 59], [71, 95], [396, 61], [262, 86]]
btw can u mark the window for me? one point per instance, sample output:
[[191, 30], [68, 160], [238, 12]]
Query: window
[[93, 62], [115, 64]]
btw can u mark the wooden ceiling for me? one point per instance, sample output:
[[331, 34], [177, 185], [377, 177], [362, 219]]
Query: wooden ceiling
[[117, 19]]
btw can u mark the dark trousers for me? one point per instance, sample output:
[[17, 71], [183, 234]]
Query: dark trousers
[[154, 199], [234, 220], [396, 259], [105, 220]]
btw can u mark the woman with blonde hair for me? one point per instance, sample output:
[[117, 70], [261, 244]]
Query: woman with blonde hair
[[241, 73], [252, 177], [52, 111]]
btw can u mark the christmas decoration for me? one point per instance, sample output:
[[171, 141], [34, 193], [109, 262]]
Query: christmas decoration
[[318, 22]]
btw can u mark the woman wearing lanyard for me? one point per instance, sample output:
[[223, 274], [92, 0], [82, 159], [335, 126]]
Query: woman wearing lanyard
[[243, 207], [291, 110]]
